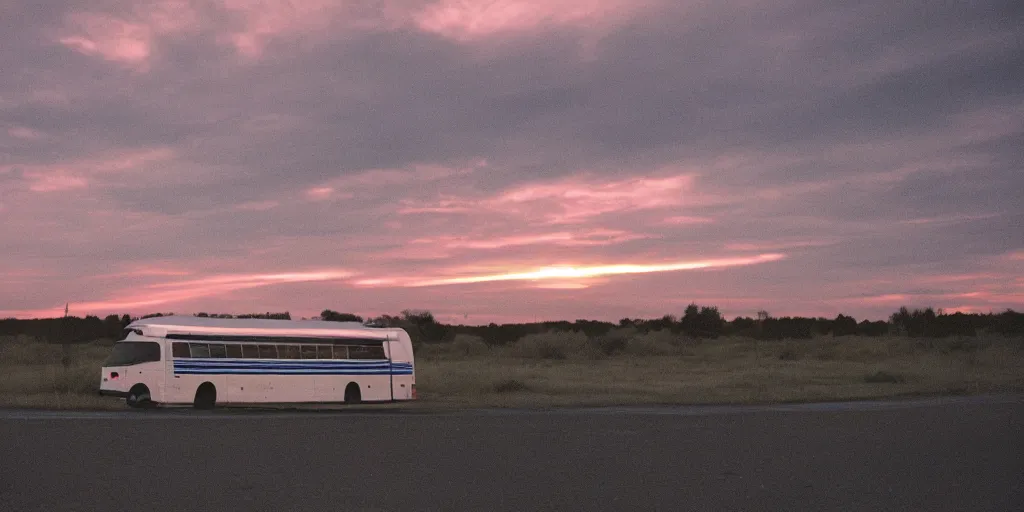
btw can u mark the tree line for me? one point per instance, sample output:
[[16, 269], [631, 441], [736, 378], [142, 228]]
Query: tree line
[[701, 322]]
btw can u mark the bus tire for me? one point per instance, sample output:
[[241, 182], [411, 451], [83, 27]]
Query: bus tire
[[352, 394], [206, 396], [138, 397]]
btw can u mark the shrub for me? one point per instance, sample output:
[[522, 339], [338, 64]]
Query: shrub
[[614, 341], [554, 345], [651, 344], [469, 345]]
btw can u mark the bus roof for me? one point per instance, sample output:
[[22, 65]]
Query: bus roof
[[161, 326]]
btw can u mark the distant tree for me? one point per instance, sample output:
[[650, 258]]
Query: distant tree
[[868, 328], [844, 326], [268, 316], [702, 321], [112, 328], [328, 315], [1008, 323]]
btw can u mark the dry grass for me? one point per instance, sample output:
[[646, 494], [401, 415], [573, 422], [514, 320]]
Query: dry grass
[[620, 368], [32, 374], [659, 368]]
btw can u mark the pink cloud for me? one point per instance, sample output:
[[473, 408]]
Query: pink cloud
[[143, 271], [593, 237], [319, 193], [687, 220], [176, 292], [262, 23], [900, 299], [777, 246], [25, 133], [129, 36], [571, 200], [465, 20], [257, 206], [77, 174], [948, 219], [54, 182]]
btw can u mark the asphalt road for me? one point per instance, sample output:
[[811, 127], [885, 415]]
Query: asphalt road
[[960, 454]]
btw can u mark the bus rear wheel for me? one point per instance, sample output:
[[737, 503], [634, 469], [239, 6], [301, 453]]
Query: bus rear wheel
[[206, 396], [352, 395]]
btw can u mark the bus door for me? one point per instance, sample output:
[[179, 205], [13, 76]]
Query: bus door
[[172, 382], [391, 372]]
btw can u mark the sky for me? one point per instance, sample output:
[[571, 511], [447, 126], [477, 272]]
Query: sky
[[511, 160]]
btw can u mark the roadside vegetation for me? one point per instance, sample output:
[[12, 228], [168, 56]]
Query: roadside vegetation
[[662, 361]]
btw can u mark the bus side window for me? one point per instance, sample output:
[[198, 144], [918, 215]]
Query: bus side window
[[217, 351], [250, 352], [309, 351], [234, 351], [288, 352], [324, 352], [366, 352], [199, 349], [180, 350], [268, 351], [341, 351]]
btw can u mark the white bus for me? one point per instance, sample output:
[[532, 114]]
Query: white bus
[[182, 360]]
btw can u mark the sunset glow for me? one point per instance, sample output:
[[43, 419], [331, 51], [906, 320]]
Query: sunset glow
[[570, 272], [509, 159]]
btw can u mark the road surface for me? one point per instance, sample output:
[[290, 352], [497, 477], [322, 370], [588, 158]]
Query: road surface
[[928, 455]]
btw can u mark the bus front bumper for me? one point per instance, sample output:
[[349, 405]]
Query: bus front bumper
[[111, 392]]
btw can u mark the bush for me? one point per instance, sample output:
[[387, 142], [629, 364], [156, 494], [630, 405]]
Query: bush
[[554, 345], [469, 345], [615, 341], [654, 343]]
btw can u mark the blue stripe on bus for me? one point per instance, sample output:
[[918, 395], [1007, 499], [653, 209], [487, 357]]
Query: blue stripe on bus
[[277, 361], [210, 364], [286, 365], [284, 371]]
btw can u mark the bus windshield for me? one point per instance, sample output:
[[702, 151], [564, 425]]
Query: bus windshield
[[133, 352]]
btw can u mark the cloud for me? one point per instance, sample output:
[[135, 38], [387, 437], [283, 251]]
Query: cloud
[[440, 139], [466, 21], [591, 238], [571, 200], [25, 133], [168, 294]]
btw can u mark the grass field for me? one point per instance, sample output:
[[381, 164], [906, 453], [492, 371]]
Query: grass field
[[558, 369]]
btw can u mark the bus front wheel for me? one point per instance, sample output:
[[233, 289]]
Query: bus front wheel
[[138, 397], [206, 396]]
